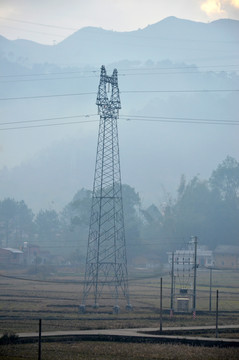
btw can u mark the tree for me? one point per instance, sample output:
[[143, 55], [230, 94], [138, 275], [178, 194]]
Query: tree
[[208, 209], [193, 211], [48, 228], [78, 210], [25, 225], [224, 183], [77, 217], [225, 179], [8, 211], [132, 221], [16, 222]]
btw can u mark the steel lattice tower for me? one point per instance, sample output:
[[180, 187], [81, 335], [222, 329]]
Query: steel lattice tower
[[106, 263]]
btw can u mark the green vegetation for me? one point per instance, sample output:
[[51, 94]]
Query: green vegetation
[[8, 338], [115, 351], [55, 300], [208, 209]]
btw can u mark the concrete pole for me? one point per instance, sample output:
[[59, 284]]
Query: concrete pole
[[217, 315], [161, 304], [195, 275], [39, 341], [210, 291], [172, 285]]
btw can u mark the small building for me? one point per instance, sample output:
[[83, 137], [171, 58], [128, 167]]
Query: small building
[[226, 257], [183, 304], [31, 252], [10, 256], [185, 257]]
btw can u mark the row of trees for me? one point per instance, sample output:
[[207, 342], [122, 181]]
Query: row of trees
[[208, 209]]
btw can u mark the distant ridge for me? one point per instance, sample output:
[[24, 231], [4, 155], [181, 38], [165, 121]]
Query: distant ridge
[[92, 46], [50, 163]]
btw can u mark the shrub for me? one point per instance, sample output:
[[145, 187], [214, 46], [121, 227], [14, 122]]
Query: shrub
[[8, 338]]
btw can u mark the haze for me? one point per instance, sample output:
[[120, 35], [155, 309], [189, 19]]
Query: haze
[[186, 72], [51, 21]]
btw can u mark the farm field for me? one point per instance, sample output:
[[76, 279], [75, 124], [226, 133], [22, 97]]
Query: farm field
[[115, 351], [24, 299], [55, 298]]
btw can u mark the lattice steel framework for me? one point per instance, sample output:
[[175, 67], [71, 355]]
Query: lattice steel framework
[[106, 263]]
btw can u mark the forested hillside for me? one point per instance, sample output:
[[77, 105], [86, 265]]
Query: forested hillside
[[178, 82], [206, 208]]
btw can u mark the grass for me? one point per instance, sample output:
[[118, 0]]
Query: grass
[[115, 351], [23, 303]]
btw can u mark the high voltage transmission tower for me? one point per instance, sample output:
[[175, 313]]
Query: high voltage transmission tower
[[106, 263]]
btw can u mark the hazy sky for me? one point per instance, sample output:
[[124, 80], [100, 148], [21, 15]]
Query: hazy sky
[[49, 21]]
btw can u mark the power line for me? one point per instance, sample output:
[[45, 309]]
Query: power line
[[49, 79], [143, 117], [164, 73], [50, 73], [178, 67], [127, 69], [48, 125], [35, 32], [122, 92], [130, 35], [94, 76], [178, 91], [39, 24], [47, 119], [180, 120], [127, 118], [162, 119], [72, 281], [46, 96]]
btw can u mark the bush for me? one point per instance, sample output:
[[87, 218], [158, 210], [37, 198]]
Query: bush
[[41, 270], [8, 338]]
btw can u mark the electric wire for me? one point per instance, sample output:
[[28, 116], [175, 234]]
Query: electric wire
[[47, 96], [121, 92], [180, 120], [178, 91], [71, 282], [131, 34], [178, 67], [37, 23], [141, 69], [48, 125], [143, 118], [51, 73], [50, 79], [35, 32], [48, 119], [96, 76]]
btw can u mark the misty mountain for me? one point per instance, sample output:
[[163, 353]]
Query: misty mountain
[[172, 38], [164, 132]]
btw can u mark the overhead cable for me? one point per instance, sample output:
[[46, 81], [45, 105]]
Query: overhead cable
[[122, 92]]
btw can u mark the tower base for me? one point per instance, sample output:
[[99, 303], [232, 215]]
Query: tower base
[[116, 309], [82, 309], [129, 307]]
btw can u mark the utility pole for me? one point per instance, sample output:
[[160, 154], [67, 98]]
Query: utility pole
[[195, 276], [106, 262], [161, 304], [39, 341], [172, 286], [210, 291], [217, 315]]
